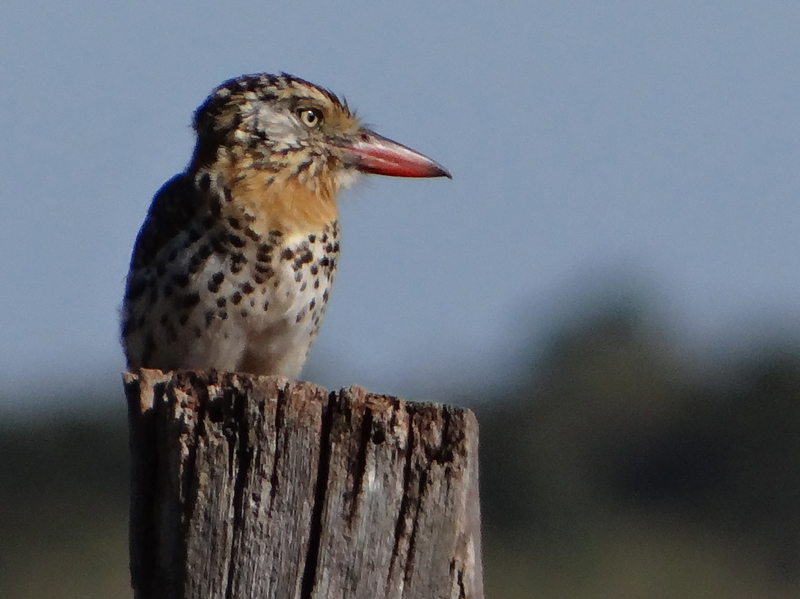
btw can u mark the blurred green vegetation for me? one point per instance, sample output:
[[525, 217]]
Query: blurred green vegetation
[[626, 466], [619, 465], [63, 502]]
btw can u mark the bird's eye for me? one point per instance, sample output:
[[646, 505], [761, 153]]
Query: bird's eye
[[311, 117]]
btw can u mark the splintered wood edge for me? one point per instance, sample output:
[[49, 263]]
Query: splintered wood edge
[[147, 382]]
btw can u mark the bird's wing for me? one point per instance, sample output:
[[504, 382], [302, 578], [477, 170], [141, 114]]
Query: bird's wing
[[174, 206]]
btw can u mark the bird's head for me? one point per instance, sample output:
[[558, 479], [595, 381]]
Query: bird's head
[[289, 129]]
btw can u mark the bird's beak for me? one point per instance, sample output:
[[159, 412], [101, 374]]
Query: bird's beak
[[375, 154]]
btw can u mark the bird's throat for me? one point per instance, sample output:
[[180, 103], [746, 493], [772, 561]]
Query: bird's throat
[[275, 201]]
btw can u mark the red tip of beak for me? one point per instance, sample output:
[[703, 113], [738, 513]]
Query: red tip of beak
[[375, 154]]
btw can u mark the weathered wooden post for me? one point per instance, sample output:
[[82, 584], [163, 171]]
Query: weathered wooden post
[[246, 487]]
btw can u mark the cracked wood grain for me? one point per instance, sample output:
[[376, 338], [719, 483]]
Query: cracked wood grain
[[246, 486]]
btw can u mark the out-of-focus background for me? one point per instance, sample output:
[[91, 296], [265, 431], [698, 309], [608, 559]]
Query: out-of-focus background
[[611, 280]]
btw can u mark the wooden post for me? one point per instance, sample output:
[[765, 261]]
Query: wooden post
[[246, 487]]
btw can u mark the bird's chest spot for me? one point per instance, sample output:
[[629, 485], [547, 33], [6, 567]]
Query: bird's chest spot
[[278, 280], [230, 282], [307, 268]]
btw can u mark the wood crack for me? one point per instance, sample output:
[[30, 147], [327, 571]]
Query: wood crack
[[404, 503], [280, 415], [244, 455], [361, 462], [412, 539], [315, 529], [188, 483]]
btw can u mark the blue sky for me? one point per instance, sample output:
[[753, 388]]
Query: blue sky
[[651, 143]]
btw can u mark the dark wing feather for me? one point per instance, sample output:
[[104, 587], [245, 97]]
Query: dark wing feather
[[173, 208]]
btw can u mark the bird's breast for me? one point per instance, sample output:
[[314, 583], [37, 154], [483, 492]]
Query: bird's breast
[[269, 280], [279, 296], [232, 298]]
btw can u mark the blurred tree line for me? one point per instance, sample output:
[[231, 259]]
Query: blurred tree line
[[619, 465]]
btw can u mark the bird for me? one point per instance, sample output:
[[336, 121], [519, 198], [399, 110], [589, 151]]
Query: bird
[[233, 266]]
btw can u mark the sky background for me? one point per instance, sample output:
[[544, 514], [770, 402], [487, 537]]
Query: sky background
[[597, 149]]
